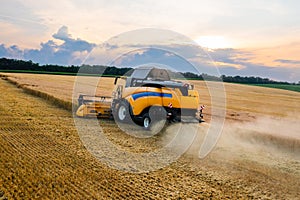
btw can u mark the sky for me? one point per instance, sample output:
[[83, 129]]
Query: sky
[[249, 38]]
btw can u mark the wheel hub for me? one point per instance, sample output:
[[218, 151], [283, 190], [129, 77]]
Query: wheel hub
[[122, 113]]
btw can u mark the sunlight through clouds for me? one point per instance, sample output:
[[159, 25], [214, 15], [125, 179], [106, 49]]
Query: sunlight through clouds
[[214, 42]]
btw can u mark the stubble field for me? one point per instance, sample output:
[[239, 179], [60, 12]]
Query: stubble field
[[42, 155]]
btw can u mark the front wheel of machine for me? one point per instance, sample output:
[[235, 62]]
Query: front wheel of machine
[[123, 112]]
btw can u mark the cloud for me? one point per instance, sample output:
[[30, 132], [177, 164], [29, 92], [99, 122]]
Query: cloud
[[70, 52], [71, 44], [228, 61], [286, 61], [231, 56], [275, 73], [152, 56], [239, 62], [62, 34], [11, 52], [20, 14]]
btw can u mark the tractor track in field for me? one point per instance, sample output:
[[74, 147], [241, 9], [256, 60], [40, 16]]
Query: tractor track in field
[[43, 157]]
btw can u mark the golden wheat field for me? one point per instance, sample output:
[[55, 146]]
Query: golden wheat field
[[42, 155]]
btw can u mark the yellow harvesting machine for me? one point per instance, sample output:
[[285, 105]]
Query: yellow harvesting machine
[[146, 96]]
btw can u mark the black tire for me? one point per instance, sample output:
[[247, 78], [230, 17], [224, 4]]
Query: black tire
[[157, 113], [153, 116], [122, 112]]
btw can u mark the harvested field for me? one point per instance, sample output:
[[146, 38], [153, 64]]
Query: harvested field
[[42, 155], [244, 102]]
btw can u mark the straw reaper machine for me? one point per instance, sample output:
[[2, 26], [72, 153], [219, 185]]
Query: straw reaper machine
[[146, 96]]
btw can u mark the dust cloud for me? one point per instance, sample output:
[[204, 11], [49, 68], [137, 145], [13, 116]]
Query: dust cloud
[[270, 141]]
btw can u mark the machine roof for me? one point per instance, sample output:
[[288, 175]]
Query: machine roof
[[150, 73]]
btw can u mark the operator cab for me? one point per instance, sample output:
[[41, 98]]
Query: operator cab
[[155, 77]]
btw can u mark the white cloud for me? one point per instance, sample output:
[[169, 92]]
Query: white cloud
[[62, 33], [70, 51]]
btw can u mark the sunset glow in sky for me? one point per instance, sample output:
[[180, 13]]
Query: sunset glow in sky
[[245, 37]]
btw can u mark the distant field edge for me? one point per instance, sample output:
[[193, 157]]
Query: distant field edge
[[295, 88], [55, 73], [50, 98]]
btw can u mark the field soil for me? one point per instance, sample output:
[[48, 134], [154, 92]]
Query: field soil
[[42, 156]]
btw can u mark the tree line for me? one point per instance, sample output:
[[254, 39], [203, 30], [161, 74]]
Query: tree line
[[21, 65], [233, 79]]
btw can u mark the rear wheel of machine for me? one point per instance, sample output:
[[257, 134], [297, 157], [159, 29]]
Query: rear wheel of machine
[[146, 121], [123, 112]]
